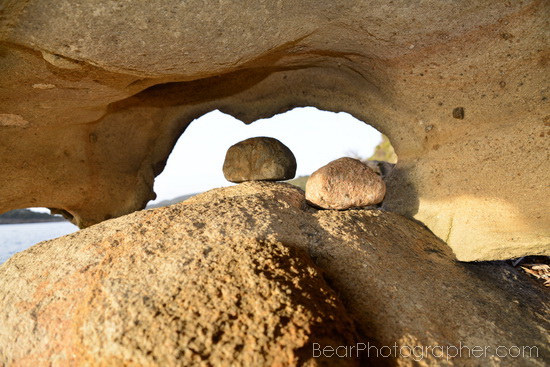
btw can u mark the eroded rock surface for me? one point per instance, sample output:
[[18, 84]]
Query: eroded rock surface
[[95, 95], [225, 276], [161, 288]]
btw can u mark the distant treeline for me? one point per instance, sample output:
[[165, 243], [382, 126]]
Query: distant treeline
[[170, 202], [27, 216]]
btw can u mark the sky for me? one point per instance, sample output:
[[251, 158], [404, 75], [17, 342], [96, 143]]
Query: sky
[[315, 137]]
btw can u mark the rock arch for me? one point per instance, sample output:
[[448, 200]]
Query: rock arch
[[95, 96]]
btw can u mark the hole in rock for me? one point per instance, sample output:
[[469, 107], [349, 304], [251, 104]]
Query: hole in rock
[[315, 137], [22, 228]]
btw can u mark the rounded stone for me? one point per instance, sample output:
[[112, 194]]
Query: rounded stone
[[259, 159], [345, 183]]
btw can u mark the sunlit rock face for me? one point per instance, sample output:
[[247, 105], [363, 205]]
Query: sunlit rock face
[[95, 94], [250, 275]]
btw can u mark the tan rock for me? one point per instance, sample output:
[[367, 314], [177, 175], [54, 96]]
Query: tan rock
[[345, 183], [224, 278], [134, 75], [259, 159], [162, 288]]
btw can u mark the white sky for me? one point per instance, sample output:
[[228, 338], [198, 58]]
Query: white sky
[[315, 137]]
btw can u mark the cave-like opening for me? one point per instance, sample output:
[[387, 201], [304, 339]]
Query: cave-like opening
[[316, 137]]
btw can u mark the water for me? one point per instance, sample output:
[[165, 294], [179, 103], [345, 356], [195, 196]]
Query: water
[[18, 237]]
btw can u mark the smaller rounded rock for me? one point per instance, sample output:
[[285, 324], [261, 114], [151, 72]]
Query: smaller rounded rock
[[343, 184]]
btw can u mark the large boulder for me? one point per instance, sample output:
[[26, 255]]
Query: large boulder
[[95, 95], [162, 288], [232, 276]]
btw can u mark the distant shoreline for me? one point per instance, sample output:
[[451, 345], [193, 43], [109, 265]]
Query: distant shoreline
[[22, 216], [23, 221]]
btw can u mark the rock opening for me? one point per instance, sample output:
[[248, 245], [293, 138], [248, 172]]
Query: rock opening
[[315, 136]]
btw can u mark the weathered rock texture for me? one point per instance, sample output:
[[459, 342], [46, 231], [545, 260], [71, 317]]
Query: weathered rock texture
[[345, 183], [259, 159], [225, 277], [162, 288], [87, 121]]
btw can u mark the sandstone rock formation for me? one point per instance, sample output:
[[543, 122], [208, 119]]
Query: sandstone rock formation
[[95, 95], [161, 288], [345, 183], [226, 276], [259, 159]]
